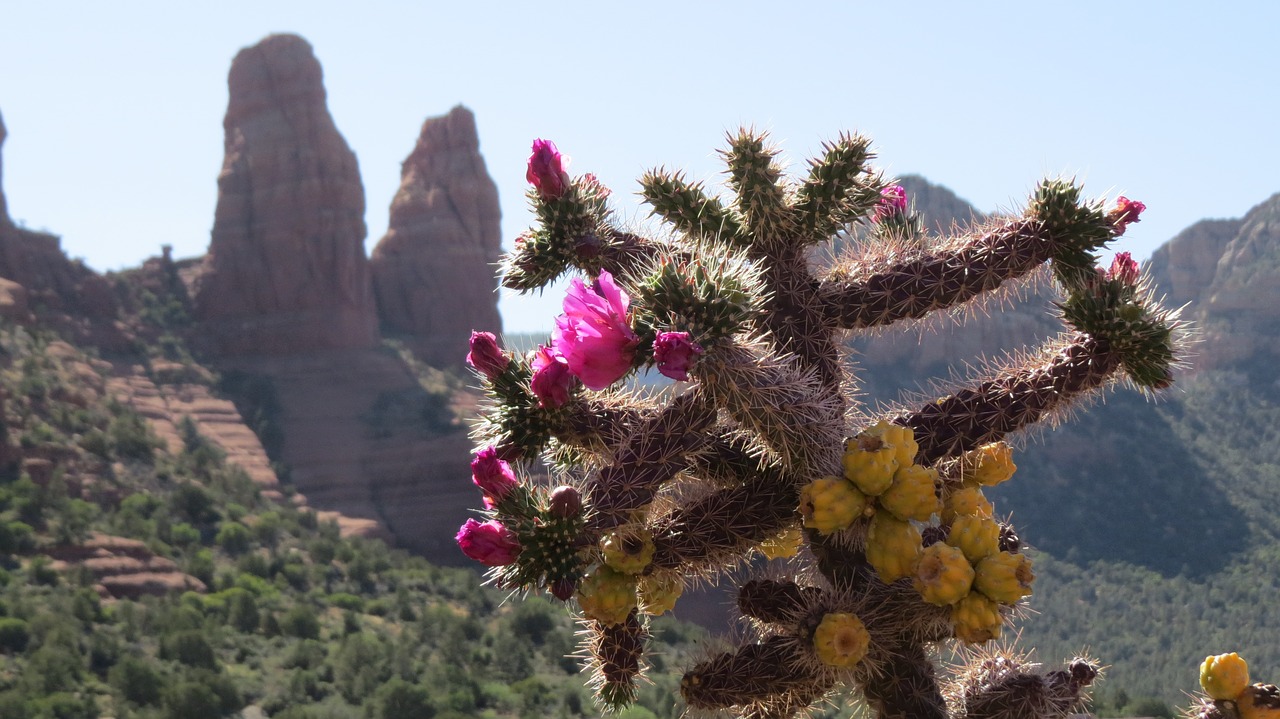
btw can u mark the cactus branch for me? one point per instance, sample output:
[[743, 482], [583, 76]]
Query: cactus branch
[[868, 297], [1011, 401]]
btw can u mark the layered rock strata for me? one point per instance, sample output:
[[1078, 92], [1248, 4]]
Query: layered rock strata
[[434, 271], [286, 270]]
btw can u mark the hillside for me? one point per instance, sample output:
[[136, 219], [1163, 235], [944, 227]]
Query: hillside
[[139, 578]]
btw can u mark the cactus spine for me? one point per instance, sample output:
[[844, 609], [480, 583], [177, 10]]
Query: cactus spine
[[763, 443]]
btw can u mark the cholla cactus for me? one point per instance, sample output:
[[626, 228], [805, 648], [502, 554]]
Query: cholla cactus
[[762, 446]]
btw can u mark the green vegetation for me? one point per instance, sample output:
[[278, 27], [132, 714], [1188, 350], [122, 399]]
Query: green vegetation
[[296, 619]]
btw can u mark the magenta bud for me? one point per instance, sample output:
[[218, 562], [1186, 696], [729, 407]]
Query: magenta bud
[[1124, 268], [1125, 211], [489, 543], [563, 589], [893, 202], [566, 502], [492, 475], [675, 354], [486, 356], [552, 380], [546, 170], [588, 246]]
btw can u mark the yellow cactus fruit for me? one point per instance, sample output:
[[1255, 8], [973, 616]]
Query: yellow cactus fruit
[[976, 618], [783, 545], [903, 440], [966, 501], [893, 547], [913, 494], [1224, 676], [872, 472], [658, 593], [871, 458], [943, 576], [1259, 701], [989, 464], [607, 595], [1004, 577], [830, 504], [628, 551], [976, 536], [841, 640]]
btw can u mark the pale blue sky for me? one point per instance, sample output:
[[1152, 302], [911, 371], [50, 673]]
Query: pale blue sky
[[114, 109]]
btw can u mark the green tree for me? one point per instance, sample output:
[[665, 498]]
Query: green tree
[[398, 699]]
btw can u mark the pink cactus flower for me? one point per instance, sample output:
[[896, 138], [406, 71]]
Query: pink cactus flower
[[675, 353], [1124, 268], [489, 543], [493, 476], [486, 357], [546, 170], [552, 380], [893, 201], [593, 334], [1125, 211]]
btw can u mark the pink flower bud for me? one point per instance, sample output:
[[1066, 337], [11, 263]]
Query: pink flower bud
[[592, 184], [1124, 269], [546, 170], [552, 380], [493, 476], [489, 543], [486, 356], [566, 502], [893, 202], [1125, 211], [675, 354]]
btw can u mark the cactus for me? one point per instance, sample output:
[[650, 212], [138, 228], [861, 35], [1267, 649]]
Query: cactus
[[761, 448]]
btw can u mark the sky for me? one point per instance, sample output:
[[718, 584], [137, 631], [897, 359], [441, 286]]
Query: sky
[[114, 109]]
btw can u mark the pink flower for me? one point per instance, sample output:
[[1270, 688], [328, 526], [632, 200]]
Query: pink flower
[[1124, 268], [486, 356], [552, 379], [546, 170], [675, 353], [493, 476], [489, 543], [1125, 211], [593, 334], [893, 201]]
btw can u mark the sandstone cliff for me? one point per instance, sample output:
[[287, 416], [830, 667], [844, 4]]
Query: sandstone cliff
[[286, 270], [68, 295], [1229, 272], [433, 272]]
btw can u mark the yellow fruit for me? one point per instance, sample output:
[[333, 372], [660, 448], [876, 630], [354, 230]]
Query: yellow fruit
[[902, 439], [976, 536], [628, 551], [1004, 577], [893, 547], [607, 595], [944, 575], [977, 619], [871, 471], [1259, 701], [658, 593], [989, 464], [1224, 676], [913, 494], [782, 546], [966, 501], [841, 640], [830, 504]]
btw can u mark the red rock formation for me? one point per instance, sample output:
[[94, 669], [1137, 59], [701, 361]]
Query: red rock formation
[[286, 270], [68, 295], [433, 272]]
